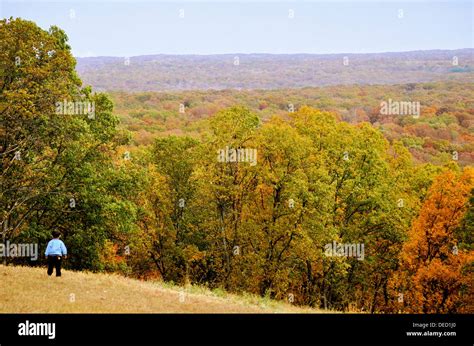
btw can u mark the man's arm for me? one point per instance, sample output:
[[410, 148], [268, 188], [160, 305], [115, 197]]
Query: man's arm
[[46, 252], [63, 249]]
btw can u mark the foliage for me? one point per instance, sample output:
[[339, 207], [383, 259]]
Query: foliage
[[245, 199], [435, 276]]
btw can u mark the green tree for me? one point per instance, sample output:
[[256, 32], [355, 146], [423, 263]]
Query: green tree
[[56, 165]]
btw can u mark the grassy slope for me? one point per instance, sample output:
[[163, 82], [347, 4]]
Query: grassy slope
[[30, 290]]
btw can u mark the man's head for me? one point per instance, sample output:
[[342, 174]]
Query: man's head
[[56, 234]]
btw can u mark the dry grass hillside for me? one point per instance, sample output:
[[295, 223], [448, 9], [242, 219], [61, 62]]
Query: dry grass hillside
[[30, 290]]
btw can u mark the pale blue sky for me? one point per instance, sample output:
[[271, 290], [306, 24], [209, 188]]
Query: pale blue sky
[[126, 28]]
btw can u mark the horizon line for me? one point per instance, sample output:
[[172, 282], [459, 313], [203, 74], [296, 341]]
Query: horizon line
[[262, 53]]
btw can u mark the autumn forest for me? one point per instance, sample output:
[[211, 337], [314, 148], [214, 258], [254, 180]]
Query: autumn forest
[[350, 196]]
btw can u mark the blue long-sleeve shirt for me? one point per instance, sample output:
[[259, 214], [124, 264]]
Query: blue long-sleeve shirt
[[56, 247]]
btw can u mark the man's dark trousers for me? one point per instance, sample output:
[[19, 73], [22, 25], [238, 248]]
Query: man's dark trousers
[[54, 261]]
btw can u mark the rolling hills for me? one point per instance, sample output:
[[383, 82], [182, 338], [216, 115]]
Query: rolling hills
[[271, 71]]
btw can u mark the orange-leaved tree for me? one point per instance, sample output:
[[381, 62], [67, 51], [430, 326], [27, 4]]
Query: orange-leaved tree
[[434, 274]]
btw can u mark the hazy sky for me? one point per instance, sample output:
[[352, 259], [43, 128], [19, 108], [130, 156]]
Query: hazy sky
[[126, 28]]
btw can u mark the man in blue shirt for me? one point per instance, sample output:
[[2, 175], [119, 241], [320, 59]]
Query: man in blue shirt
[[54, 252]]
